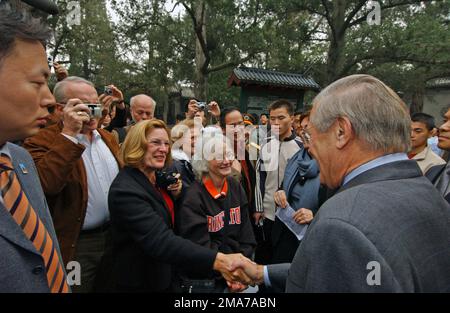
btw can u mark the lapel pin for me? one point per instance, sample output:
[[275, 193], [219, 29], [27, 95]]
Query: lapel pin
[[23, 168]]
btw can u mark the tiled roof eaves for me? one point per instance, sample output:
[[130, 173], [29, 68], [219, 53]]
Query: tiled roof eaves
[[275, 78]]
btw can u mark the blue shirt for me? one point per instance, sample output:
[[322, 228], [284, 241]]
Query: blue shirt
[[390, 158], [433, 143]]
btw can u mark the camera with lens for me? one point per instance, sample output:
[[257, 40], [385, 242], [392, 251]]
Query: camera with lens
[[165, 179], [108, 91], [50, 62], [95, 110], [201, 106]]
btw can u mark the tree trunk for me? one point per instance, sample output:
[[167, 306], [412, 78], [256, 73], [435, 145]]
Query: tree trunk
[[417, 101], [335, 60], [201, 76], [86, 70]]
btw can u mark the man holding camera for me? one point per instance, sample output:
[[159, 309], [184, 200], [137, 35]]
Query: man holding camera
[[77, 163], [195, 108]]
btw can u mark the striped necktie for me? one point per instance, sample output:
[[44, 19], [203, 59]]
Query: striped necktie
[[17, 204]]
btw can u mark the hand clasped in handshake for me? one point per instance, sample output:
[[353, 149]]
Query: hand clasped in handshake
[[238, 271]]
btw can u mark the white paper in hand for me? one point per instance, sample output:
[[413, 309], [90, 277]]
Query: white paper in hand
[[287, 217]]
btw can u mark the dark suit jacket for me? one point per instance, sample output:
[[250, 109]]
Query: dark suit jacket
[[391, 215], [145, 247], [63, 177], [22, 268]]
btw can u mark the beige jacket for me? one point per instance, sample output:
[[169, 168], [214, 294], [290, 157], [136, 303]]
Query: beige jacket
[[427, 159]]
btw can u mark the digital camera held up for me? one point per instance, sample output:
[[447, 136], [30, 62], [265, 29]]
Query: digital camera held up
[[95, 110], [108, 91], [201, 106], [50, 61], [165, 179]]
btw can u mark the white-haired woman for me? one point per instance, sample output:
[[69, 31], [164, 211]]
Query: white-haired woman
[[214, 213], [146, 250]]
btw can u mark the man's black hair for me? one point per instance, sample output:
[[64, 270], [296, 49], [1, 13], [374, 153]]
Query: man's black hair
[[282, 104], [263, 114], [14, 25], [180, 117], [224, 113], [424, 118], [186, 105]]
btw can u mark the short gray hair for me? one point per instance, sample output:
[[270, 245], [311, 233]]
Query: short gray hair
[[377, 114], [204, 151], [133, 100], [59, 91]]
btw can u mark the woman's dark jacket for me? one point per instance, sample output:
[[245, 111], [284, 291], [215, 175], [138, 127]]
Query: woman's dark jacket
[[145, 248]]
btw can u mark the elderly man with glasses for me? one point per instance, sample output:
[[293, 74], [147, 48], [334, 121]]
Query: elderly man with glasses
[[387, 228], [77, 163]]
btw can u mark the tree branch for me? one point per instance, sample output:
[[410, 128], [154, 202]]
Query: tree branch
[[198, 29], [303, 7], [386, 7], [231, 63], [328, 17], [190, 12], [174, 6], [136, 28], [385, 58], [314, 29], [352, 14]]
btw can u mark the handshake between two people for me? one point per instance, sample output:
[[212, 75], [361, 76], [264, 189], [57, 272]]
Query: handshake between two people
[[239, 271]]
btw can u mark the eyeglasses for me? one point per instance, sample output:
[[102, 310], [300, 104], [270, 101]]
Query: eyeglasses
[[229, 156], [306, 135]]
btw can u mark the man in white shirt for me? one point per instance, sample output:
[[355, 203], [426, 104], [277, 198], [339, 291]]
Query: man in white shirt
[[421, 130], [77, 163], [270, 168]]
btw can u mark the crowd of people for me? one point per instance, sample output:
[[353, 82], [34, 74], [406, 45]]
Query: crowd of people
[[223, 201]]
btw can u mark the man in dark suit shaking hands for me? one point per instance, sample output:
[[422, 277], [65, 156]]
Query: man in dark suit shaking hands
[[387, 229], [30, 260]]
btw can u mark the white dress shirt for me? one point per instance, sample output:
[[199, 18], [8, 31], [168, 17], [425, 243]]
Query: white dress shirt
[[101, 170]]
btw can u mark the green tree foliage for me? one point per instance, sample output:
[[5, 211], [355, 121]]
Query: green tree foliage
[[88, 49], [154, 46]]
